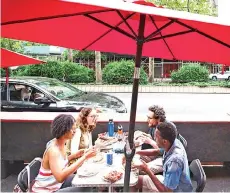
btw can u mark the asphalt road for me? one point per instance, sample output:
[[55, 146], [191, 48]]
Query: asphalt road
[[181, 103]]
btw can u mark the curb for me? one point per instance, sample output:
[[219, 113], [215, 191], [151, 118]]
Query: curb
[[154, 89]]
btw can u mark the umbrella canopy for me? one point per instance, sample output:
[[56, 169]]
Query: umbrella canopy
[[9, 59], [112, 26], [120, 27]]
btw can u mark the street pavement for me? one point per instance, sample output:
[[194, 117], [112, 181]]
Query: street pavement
[[179, 103], [218, 180]]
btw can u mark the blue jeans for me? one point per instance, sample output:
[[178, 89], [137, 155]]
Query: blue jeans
[[67, 186]]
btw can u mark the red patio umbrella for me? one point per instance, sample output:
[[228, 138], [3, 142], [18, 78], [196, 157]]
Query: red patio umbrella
[[102, 25], [120, 27], [10, 58]]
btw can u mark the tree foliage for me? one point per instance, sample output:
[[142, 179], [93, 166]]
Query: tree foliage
[[83, 54], [16, 45], [190, 73], [122, 73], [70, 72], [193, 6]]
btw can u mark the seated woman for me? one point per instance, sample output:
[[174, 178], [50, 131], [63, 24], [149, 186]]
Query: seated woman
[[55, 174], [86, 122]]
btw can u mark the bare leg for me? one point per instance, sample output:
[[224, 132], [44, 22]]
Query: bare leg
[[138, 185]]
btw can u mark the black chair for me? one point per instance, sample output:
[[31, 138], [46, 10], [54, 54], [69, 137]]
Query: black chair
[[28, 174], [182, 140], [198, 175]]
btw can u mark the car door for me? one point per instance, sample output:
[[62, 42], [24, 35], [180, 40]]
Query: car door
[[22, 98], [226, 75]]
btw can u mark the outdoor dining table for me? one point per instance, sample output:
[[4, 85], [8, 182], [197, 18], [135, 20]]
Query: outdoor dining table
[[102, 168]]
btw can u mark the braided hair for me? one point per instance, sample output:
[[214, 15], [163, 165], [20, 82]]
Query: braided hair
[[61, 125], [159, 112]]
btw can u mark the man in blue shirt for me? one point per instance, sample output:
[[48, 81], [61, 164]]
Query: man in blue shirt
[[176, 176]]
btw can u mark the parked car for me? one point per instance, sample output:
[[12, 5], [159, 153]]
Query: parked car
[[220, 76], [48, 94]]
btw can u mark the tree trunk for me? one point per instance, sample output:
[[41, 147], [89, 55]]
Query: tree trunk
[[151, 70], [98, 67], [70, 55], [188, 5]]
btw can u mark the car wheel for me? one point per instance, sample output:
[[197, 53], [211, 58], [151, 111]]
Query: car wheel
[[214, 78]]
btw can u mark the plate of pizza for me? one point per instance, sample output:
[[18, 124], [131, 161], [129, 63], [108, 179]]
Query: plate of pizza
[[112, 176]]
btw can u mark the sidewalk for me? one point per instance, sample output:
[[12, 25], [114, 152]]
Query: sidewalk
[[154, 89]]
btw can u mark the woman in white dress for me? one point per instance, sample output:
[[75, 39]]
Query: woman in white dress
[[86, 123]]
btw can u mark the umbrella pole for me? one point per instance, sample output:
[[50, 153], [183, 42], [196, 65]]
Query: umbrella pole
[[130, 153]]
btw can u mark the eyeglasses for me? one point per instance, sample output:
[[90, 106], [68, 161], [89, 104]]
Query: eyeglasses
[[93, 116], [148, 117]]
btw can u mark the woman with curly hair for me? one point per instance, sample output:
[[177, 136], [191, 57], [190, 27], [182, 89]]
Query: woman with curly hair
[[55, 174], [86, 123]]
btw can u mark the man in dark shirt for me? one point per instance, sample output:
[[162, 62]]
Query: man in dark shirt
[[150, 152]]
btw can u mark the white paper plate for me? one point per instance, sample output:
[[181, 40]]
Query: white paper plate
[[85, 172]]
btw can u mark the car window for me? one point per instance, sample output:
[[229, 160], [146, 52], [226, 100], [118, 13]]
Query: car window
[[15, 92], [59, 89], [23, 92], [2, 87], [3, 91]]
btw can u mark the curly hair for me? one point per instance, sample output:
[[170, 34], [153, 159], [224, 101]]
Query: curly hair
[[82, 120], [159, 112], [61, 125], [168, 131]]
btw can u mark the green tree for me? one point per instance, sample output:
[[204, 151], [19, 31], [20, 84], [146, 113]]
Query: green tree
[[13, 45], [190, 73], [194, 6], [16, 45], [122, 73]]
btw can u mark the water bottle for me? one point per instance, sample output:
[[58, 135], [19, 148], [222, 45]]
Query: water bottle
[[120, 133], [109, 158], [110, 128]]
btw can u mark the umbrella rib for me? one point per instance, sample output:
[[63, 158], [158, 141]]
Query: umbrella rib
[[154, 23], [122, 17], [107, 32], [159, 30], [110, 26], [171, 35], [204, 34], [54, 17]]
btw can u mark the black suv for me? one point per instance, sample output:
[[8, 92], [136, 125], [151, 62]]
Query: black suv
[[48, 94]]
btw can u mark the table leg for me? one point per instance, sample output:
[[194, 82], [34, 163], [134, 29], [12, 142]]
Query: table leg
[[110, 188]]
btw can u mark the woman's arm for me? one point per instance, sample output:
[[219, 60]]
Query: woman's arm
[[56, 165], [90, 139], [75, 142], [76, 155]]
